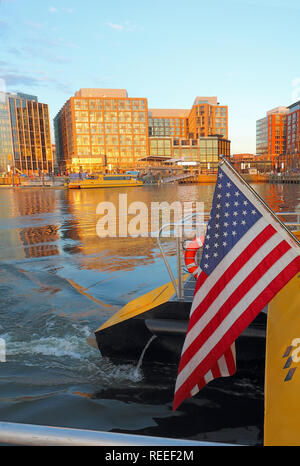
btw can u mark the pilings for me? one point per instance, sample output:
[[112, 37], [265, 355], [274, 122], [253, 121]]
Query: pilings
[[285, 178]]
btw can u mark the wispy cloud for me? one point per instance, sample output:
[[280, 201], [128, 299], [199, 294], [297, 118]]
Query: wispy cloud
[[53, 9], [13, 78], [127, 26], [119, 27], [32, 51]]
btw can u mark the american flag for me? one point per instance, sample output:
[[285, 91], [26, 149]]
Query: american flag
[[248, 256]]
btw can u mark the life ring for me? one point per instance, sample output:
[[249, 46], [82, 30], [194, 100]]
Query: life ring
[[190, 255]]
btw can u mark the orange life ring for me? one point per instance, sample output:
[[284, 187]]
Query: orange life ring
[[190, 255]]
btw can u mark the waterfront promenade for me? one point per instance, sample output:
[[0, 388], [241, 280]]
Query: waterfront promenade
[[183, 178]]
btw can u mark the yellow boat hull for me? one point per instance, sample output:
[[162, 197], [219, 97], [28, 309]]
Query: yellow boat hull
[[103, 184]]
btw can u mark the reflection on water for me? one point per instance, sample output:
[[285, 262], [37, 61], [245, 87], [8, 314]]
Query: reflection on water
[[59, 282], [41, 223]]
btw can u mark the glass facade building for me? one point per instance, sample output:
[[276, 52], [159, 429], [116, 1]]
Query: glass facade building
[[208, 118], [99, 128], [25, 142], [271, 134], [204, 151], [262, 136], [6, 148]]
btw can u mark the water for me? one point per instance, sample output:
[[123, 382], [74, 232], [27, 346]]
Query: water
[[59, 282]]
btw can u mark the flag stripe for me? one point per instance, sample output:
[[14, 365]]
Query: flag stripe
[[221, 292], [183, 390], [210, 320], [230, 360], [227, 332]]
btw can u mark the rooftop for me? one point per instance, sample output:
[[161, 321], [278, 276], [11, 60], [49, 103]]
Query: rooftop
[[206, 100], [96, 92]]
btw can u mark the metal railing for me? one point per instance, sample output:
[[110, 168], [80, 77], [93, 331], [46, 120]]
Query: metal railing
[[35, 435], [179, 229]]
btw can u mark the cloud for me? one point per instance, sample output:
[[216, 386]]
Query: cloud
[[13, 79], [40, 79], [127, 26], [44, 54], [119, 27], [53, 9]]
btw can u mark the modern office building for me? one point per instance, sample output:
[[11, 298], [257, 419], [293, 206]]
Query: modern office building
[[100, 128], [208, 118], [25, 140], [292, 159], [278, 136], [6, 148], [293, 129], [203, 152]]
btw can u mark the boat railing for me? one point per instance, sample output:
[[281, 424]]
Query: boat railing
[[188, 228], [37, 435]]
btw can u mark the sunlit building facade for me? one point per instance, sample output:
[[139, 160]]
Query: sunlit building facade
[[271, 134], [6, 148], [203, 152], [168, 122], [207, 117], [25, 140], [104, 128], [100, 128]]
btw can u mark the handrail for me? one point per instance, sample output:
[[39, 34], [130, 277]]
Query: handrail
[[178, 283], [35, 435]]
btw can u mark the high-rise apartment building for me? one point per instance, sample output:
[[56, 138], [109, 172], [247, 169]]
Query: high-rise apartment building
[[25, 140], [208, 118], [101, 127], [271, 133], [293, 128], [6, 148], [293, 136]]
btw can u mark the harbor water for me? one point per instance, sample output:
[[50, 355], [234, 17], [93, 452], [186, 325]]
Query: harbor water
[[59, 281]]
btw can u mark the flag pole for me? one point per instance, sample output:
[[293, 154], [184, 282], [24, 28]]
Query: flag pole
[[226, 162]]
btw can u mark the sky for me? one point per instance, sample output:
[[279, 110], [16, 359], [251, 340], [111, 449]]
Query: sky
[[245, 52]]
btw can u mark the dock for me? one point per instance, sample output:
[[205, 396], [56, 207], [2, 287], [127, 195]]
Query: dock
[[285, 178]]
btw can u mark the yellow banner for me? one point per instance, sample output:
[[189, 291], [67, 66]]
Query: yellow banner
[[282, 374]]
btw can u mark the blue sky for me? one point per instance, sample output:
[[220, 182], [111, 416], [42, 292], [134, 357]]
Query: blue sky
[[244, 51]]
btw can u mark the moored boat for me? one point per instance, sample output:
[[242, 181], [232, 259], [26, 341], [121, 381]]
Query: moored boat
[[104, 181]]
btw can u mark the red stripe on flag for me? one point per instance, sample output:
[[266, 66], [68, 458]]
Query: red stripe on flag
[[230, 361], [232, 270], [239, 292], [216, 371], [251, 312], [201, 279]]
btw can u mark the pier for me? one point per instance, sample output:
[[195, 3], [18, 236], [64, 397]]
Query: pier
[[285, 178]]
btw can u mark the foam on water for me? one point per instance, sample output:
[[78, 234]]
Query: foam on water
[[69, 353]]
